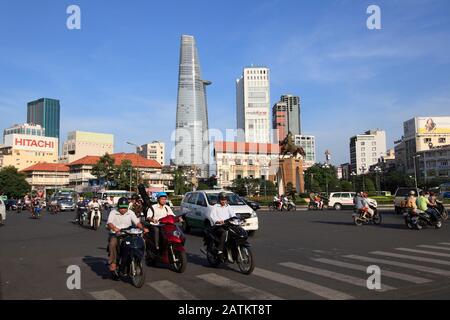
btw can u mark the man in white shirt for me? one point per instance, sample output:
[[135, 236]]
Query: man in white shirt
[[91, 206], [157, 212], [117, 220], [221, 212]]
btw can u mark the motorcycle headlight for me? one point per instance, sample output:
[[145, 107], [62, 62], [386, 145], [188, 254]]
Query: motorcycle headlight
[[177, 233]]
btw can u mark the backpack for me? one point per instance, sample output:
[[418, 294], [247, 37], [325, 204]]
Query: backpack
[[153, 211]]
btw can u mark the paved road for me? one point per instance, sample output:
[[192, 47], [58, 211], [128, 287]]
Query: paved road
[[302, 255]]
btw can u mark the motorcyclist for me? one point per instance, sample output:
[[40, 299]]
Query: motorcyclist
[[277, 201], [136, 205], [359, 202], [92, 205], [318, 201], [285, 201], [221, 211], [411, 202], [366, 206], [117, 220], [426, 206], [157, 212]]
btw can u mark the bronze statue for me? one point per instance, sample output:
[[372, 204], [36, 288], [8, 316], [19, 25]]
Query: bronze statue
[[288, 147]]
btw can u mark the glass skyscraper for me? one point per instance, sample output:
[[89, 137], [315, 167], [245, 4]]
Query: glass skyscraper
[[45, 112], [191, 138]]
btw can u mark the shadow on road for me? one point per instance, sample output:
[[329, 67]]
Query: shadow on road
[[382, 225], [98, 265], [338, 223]]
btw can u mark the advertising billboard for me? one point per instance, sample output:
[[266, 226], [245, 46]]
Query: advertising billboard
[[439, 125], [31, 143]]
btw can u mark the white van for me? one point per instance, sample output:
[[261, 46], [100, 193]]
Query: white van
[[2, 212], [341, 200], [196, 208]]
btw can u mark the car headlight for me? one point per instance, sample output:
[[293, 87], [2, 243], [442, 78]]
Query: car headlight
[[253, 214]]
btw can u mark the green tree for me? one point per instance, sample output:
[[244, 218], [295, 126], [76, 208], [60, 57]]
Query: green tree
[[203, 186], [268, 188], [317, 177], [346, 185], [246, 186], [370, 186], [105, 170], [13, 183], [181, 186], [123, 173]]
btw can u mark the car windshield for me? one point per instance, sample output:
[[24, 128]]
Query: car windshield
[[404, 192], [233, 199]]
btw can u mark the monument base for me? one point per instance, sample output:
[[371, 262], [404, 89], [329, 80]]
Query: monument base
[[291, 171]]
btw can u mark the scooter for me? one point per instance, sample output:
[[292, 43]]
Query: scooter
[[361, 217], [37, 212], [171, 244], [236, 249], [420, 220], [130, 257], [442, 211], [96, 218]]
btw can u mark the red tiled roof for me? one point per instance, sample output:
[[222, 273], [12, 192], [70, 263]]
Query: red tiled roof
[[137, 161], [246, 147], [44, 166]]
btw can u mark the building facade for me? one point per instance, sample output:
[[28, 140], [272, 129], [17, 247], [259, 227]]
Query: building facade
[[80, 144], [45, 112], [191, 138], [286, 117], [308, 143], [28, 147], [44, 176], [420, 134], [366, 149], [253, 105], [154, 151], [81, 178], [434, 163], [243, 160]]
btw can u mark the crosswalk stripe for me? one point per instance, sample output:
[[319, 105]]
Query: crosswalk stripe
[[107, 295], [430, 253], [445, 243], [434, 247], [416, 258], [316, 289], [171, 291], [334, 275], [238, 288], [401, 264], [384, 273]]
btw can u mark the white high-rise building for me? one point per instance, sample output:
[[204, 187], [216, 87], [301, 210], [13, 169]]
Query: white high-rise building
[[366, 149], [153, 151], [80, 144], [253, 105]]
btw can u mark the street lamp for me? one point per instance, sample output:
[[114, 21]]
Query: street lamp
[[363, 169], [377, 173], [353, 174], [326, 167], [415, 171]]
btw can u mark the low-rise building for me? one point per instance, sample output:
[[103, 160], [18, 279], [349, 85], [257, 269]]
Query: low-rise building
[[44, 176], [80, 144], [235, 160], [434, 163], [153, 151]]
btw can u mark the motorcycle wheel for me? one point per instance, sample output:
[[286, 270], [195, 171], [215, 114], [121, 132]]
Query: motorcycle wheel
[[377, 218], [246, 265], [358, 221], [212, 259], [1, 220], [95, 227], [138, 274], [409, 224], [438, 224], [444, 215], [180, 265], [419, 226]]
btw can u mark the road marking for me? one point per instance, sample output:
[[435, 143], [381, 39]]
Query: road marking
[[107, 295], [433, 247], [445, 243], [416, 258], [384, 273], [47, 299], [333, 275], [431, 253], [238, 288], [316, 289], [171, 291], [401, 264]]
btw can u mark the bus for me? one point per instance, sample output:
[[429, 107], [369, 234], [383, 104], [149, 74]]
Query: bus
[[117, 194]]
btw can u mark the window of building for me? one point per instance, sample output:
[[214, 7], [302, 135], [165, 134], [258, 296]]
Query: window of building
[[442, 140], [426, 140], [374, 143], [363, 143], [363, 154]]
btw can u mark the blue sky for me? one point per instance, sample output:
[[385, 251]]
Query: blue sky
[[118, 74]]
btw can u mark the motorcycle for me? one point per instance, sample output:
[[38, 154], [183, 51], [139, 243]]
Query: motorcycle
[[274, 206], [236, 249], [290, 206], [361, 217], [130, 256], [83, 215], [420, 220], [171, 245], [37, 212], [95, 218], [443, 213], [20, 207]]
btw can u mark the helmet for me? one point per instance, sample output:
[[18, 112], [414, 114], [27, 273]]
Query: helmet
[[123, 203], [135, 197], [412, 193], [161, 194], [222, 196]]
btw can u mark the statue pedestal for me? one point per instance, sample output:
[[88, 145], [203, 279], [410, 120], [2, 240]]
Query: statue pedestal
[[291, 171]]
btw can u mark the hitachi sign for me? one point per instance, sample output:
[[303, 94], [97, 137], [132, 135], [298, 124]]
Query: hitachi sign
[[21, 142]]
